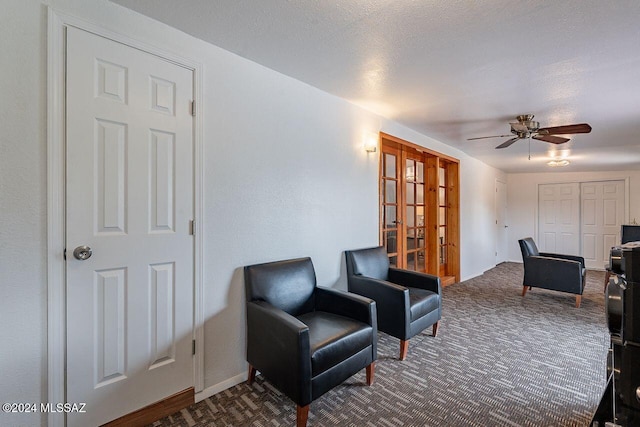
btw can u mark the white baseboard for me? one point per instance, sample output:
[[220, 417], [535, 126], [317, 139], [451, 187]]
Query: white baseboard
[[217, 388], [470, 276], [474, 275]]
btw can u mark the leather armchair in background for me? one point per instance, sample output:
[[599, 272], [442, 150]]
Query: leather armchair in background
[[304, 339], [557, 272], [407, 301]]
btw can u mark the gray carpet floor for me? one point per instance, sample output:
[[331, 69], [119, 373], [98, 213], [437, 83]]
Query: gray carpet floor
[[499, 360]]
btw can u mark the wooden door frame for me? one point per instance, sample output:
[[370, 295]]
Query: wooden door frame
[[56, 199]]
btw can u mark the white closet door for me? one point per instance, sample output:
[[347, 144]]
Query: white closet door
[[559, 218], [602, 216]]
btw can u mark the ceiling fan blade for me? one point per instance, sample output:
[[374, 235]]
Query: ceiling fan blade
[[567, 129], [507, 143], [550, 138], [484, 137]]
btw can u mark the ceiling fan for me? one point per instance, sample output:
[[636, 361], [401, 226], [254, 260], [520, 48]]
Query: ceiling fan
[[526, 127]]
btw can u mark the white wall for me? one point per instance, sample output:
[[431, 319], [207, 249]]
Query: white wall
[[478, 216], [22, 208], [285, 176], [522, 194]]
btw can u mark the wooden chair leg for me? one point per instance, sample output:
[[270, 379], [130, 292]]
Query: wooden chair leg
[[252, 375], [302, 415], [435, 328], [606, 280], [371, 370], [404, 347], [578, 300], [524, 290]]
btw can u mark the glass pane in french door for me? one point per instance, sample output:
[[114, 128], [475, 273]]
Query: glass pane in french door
[[414, 219], [389, 195]]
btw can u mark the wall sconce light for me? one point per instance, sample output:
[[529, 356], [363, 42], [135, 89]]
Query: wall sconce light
[[371, 142]]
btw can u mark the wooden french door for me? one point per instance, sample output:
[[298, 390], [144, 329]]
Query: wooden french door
[[419, 208], [403, 208], [390, 203]]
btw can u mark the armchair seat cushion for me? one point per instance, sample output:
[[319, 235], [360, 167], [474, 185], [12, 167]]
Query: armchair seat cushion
[[334, 338], [422, 302]]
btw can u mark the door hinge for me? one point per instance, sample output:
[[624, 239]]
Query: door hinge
[[192, 227], [193, 347], [64, 254], [193, 108]]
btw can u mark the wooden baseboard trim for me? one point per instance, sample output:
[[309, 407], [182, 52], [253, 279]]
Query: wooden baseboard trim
[[447, 280], [155, 411]]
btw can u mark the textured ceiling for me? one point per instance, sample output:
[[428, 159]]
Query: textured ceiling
[[452, 69]]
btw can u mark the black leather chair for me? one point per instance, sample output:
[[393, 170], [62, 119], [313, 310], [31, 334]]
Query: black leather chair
[[407, 301], [557, 272], [304, 339]]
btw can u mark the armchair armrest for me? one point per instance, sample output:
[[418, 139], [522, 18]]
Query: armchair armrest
[[554, 273], [414, 279], [347, 304], [379, 290], [278, 346], [562, 256], [392, 303]]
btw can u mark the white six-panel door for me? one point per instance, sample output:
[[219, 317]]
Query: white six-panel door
[[602, 216], [559, 218], [129, 192], [502, 235], [581, 219]]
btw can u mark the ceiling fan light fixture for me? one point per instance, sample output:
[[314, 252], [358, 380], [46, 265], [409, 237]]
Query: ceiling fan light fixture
[[556, 154], [558, 163], [527, 128]]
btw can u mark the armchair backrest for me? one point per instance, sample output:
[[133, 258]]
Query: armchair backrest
[[370, 262], [528, 248], [288, 285], [629, 233]]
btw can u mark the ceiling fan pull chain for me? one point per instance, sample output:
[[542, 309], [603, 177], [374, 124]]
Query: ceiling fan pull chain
[[529, 147]]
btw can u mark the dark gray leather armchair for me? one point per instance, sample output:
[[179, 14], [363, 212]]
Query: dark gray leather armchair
[[304, 339], [557, 272], [407, 301]]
